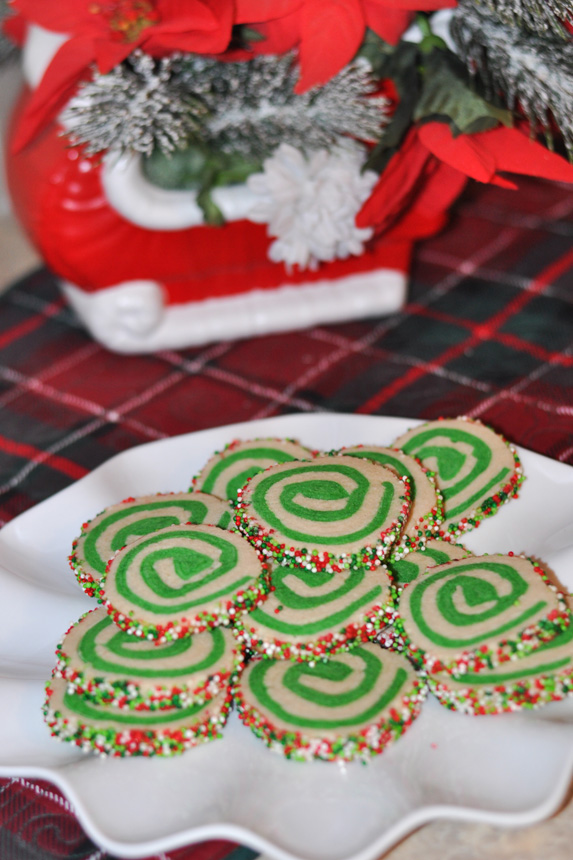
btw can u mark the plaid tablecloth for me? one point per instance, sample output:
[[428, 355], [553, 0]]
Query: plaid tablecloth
[[487, 331]]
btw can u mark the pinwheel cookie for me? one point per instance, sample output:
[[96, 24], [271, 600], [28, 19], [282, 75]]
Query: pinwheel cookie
[[230, 469], [545, 675], [472, 614], [351, 706], [476, 469], [112, 731], [126, 521], [182, 580], [108, 666], [403, 568], [331, 514], [312, 615], [426, 511]]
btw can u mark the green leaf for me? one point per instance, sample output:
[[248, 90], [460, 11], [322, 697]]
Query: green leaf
[[401, 67], [429, 39], [180, 169], [235, 169], [448, 95], [249, 34], [376, 51], [211, 212], [242, 36]]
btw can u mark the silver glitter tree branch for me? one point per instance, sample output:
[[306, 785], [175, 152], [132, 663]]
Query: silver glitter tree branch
[[136, 107], [538, 16], [253, 107], [533, 73]]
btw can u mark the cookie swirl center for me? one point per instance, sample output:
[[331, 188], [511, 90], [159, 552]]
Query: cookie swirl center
[[487, 598], [296, 500]]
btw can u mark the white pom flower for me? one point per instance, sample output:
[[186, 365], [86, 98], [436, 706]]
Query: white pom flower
[[310, 204]]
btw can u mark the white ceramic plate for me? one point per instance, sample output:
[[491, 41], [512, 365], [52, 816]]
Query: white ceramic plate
[[511, 769]]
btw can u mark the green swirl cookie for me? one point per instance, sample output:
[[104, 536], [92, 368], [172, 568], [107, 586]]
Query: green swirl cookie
[[129, 520], [183, 580], [476, 469], [230, 469], [313, 614], [405, 567], [426, 511], [544, 676], [110, 667], [331, 514], [351, 706], [106, 730], [472, 614]]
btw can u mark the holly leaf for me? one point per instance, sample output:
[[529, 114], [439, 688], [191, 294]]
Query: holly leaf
[[447, 95]]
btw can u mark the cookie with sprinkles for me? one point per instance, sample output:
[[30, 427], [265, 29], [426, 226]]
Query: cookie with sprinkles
[[426, 512], [130, 519], [349, 707], [476, 613], [476, 469], [331, 514], [544, 676], [183, 580], [405, 567], [106, 730], [311, 615], [110, 667], [230, 469]]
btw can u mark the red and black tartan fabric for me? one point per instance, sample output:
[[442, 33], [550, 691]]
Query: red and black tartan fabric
[[487, 331]]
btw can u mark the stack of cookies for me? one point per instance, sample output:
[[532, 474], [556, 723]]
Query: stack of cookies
[[338, 578], [326, 526], [152, 674]]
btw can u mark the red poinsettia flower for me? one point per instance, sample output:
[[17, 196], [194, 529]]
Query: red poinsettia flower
[[501, 150], [328, 32], [14, 27], [105, 32], [430, 151]]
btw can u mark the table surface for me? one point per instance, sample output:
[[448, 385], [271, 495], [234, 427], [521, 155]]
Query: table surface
[[487, 331]]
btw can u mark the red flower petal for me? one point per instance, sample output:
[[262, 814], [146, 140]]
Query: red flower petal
[[422, 5], [63, 16], [191, 26], [390, 18], [255, 11], [397, 184], [14, 27], [466, 153], [428, 210], [279, 37], [189, 15], [109, 53], [389, 24], [54, 90], [482, 155], [514, 152], [331, 33]]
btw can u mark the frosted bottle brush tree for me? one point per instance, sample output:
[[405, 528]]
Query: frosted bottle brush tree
[[537, 16], [137, 107], [225, 119], [522, 55]]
